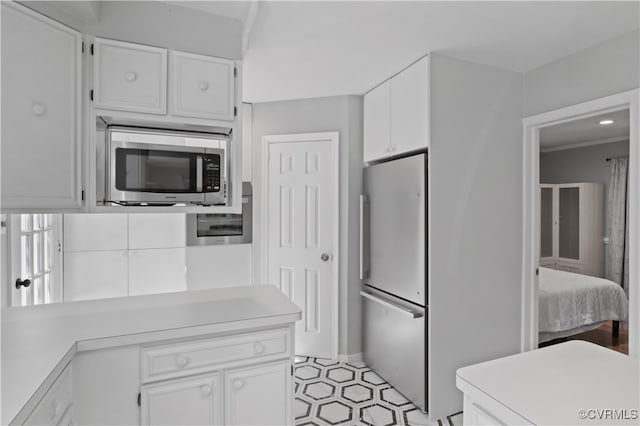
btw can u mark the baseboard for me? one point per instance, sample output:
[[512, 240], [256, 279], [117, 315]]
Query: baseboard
[[350, 357]]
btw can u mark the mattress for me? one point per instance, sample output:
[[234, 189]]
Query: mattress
[[568, 301]]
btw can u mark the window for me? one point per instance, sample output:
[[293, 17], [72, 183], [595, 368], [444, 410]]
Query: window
[[36, 256]]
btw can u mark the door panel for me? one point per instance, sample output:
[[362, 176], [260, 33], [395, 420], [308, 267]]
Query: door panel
[[300, 226], [95, 232], [396, 192], [153, 230], [377, 122]]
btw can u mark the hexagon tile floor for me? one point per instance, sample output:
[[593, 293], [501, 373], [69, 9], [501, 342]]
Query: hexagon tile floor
[[330, 392]]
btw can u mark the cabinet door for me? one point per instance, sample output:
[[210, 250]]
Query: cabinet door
[[41, 111], [129, 77], [192, 401], [157, 271], [201, 86], [410, 108], [95, 275], [91, 232], [156, 230], [377, 130], [259, 395]]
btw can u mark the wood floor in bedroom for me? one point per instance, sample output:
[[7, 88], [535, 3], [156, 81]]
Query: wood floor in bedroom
[[602, 336]]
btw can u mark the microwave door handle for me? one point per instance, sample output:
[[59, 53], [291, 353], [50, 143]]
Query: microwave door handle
[[199, 173]]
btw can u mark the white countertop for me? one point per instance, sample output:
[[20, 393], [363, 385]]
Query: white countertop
[[550, 385], [38, 341]]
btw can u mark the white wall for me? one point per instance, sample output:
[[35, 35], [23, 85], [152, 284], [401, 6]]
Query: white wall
[[475, 178], [342, 114], [584, 164], [156, 24], [607, 68]]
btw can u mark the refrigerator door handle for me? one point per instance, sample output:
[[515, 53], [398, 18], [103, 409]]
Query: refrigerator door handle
[[390, 305], [364, 237]]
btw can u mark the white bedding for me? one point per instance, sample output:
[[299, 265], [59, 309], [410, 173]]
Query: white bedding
[[571, 301]]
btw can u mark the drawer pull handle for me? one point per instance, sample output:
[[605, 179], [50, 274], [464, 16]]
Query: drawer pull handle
[[38, 109], [182, 361], [258, 348], [238, 384], [203, 86], [206, 390], [131, 76]]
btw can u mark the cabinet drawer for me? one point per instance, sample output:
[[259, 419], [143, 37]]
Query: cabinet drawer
[[181, 359], [55, 403]]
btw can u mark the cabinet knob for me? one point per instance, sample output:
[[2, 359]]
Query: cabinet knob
[[53, 410], [393, 148], [182, 361], [238, 384], [258, 347], [203, 86], [131, 76], [206, 390], [38, 109]]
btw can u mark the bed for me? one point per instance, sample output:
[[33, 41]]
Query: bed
[[571, 303]]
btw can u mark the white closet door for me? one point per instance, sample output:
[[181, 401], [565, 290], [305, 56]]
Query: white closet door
[[154, 230], [157, 271], [95, 275], [91, 232]]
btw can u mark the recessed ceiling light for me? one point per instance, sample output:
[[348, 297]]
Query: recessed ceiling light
[[606, 122]]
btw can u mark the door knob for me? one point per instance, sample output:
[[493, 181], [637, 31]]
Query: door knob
[[23, 283], [324, 257]]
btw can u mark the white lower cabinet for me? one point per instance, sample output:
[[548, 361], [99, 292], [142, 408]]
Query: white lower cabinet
[[55, 407], [157, 271], [248, 380], [191, 401], [265, 389]]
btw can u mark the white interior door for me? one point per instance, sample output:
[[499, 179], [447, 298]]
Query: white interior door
[[302, 234]]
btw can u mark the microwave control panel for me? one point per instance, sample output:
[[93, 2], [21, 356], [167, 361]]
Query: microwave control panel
[[212, 173]]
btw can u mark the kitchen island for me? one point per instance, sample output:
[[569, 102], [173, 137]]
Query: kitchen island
[[571, 383], [80, 361]]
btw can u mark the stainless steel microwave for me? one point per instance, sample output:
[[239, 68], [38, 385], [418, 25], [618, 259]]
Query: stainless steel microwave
[[222, 228], [164, 167]]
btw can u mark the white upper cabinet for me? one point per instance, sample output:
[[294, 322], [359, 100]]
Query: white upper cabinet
[[95, 232], [157, 230], [157, 271], [129, 77], [410, 108], [41, 111], [377, 124], [201, 86], [396, 114]]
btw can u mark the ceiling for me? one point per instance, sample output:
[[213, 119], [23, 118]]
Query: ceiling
[[231, 9], [586, 131], [305, 49]]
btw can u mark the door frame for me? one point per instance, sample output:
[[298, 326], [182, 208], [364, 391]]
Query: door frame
[[531, 215], [334, 139]]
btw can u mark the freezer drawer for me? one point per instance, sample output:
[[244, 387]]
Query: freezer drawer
[[394, 339]]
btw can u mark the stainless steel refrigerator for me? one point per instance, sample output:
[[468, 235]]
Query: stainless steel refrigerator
[[394, 271]]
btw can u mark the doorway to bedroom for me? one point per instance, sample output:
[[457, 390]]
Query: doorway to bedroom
[[583, 279], [581, 201]]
